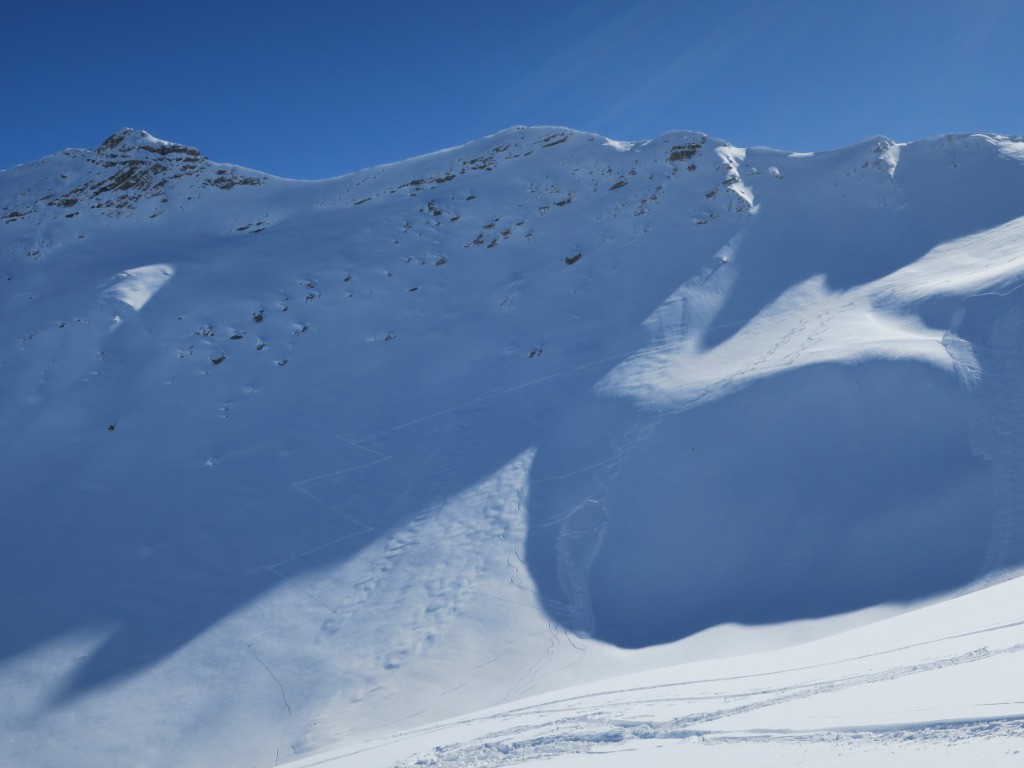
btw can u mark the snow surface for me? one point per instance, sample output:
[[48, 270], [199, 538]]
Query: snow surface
[[289, 467], [933, 687]]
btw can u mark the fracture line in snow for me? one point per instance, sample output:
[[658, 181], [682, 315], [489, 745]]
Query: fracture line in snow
[[284, 698], [307, 593]]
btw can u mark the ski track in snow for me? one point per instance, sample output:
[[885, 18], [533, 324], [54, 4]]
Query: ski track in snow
[[582, 724]]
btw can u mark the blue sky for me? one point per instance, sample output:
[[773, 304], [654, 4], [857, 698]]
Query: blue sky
[[313, 89]]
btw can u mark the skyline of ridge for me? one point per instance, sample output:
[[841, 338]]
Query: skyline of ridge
[[318, 91]]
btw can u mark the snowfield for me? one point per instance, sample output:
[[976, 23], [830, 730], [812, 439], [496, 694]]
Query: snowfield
[[547, 449], [936, 686]]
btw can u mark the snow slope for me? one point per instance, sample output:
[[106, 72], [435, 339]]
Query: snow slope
[[286, 464], [937, 686]]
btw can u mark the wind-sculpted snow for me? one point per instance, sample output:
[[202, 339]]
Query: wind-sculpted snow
[[286, 461]]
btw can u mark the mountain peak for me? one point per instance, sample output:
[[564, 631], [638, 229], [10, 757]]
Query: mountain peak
[[131, 141], [129, 169]]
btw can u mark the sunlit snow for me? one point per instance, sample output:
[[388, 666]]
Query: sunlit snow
[[543, 450]]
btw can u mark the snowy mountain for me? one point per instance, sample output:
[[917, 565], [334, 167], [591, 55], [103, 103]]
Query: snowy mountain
[[287, 466]]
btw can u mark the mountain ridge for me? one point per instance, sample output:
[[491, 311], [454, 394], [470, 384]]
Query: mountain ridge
[[524, 413]]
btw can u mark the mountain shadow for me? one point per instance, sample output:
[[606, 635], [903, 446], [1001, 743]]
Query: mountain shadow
[[816, 492]]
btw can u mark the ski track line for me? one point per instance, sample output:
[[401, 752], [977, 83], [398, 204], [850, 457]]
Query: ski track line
[[300, 486], [788, 670], [358, 443], [595, 728], [633, 692]]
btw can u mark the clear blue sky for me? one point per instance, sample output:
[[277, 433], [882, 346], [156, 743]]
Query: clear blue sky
[[310, 88]]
